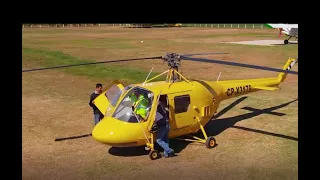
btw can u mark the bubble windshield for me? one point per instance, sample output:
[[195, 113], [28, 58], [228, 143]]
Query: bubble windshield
[[114, 95], [135, 104]]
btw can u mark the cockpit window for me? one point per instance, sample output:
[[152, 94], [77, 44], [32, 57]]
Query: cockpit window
[[138, 99], [115, 97], [114, 94]]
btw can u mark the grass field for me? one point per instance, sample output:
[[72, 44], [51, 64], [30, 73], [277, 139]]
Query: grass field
[[251, 144]]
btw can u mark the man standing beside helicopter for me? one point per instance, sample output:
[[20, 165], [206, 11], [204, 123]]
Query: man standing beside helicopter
[[97, 114]]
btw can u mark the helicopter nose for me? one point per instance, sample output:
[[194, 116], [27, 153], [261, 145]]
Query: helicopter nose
[[117, 133], [103, 132]]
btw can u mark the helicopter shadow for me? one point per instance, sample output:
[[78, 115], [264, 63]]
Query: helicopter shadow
[[213, 128], [175, 144], [217, 126], [179, 145], [128, 151]]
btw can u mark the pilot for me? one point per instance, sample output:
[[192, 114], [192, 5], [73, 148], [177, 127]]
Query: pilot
[[162, 122], [140, 104]]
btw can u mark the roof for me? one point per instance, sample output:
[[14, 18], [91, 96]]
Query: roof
[[164, 86]]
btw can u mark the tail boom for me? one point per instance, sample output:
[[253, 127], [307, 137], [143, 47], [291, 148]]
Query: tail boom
[[234, 88], [290, 63], [237, 88]]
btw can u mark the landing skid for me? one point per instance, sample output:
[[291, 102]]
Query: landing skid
[[286, 41], [210, 141], [153, 154]]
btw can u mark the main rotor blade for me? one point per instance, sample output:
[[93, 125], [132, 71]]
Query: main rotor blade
[[203, 54], [91, 63], [238, 64]]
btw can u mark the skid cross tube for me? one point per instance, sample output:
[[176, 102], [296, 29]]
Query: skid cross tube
[[197, 139]]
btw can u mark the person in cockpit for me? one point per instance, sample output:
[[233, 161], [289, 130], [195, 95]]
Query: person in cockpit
[[139, 104]]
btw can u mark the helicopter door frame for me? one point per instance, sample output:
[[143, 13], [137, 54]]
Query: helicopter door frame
[[166, 99], [181, 115], [102, 102]]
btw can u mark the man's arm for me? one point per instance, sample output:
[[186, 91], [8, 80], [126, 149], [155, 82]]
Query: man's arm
[[91, 99], [158, 116]]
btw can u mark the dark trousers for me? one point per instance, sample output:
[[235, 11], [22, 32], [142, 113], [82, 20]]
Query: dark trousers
[[97, 117]]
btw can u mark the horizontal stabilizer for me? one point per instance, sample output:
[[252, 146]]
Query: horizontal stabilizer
[[266, 88]]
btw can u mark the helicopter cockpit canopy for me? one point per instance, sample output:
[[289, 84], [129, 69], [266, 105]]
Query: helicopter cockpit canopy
[[138, 97], [114, 94]]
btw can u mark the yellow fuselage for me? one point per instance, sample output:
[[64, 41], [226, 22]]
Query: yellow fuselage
[[205, 97]]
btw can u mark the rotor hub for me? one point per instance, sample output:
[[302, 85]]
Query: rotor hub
[[173, 60]]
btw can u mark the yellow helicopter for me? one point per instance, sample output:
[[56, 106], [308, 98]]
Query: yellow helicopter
[[191, 103]]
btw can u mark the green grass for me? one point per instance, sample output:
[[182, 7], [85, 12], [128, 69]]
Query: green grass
[[110, 43], [48, 58]]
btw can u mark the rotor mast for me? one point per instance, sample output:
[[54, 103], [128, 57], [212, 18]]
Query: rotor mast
[[174, 62]]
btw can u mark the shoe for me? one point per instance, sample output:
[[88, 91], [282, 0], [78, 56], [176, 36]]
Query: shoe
[[165, 155], [171, 153]]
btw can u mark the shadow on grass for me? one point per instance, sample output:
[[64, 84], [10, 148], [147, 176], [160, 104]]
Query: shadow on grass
[[72, 137], [282, 44], [128, 151], [213, 128]]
